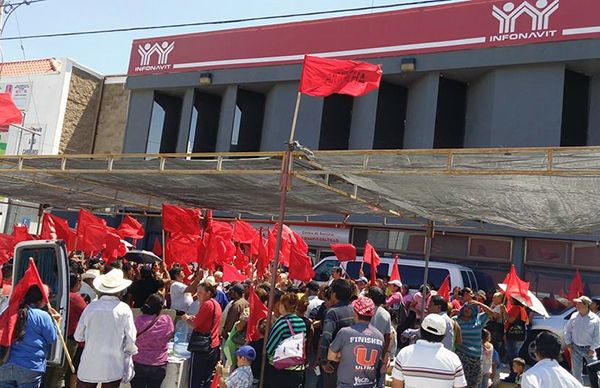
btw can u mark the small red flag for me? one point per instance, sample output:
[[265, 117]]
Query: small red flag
[[515, 286], [576, 287], [8, 319], [258, 311], [157, 248], [113, 246], [182, 249], [132, 228], [93, 239], [9, 113], [324, 77], [7, 247], [344, 252], [177, 219], [263, 258], [243, 232], [21, 233], [395, 271], [56, 228], [300, 267], [444, 290], [371, 257], [231, 274]]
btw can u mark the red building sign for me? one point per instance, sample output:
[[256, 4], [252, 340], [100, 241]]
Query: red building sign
[[414, 30]]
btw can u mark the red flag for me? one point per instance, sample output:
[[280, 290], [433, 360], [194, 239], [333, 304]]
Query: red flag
[[180, 220], [157, 248], [8, 319], [344, 252], [231, 274], [324, 77], [21, 233], [182, 248], [241, 261], [114, 247], [9, 113], [86, 219], [93, 238], [395, 271], [243, 232], [132, 228], [258, 311], [56, 228], [7, 247], [288, 240], [371, 257], [299, 242], [263, 258], [576, 287], [444, 289], [221, 228], [516, 286], [300, 267]]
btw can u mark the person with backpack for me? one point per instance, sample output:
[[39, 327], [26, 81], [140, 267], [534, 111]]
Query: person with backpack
[[288, 332], [515, 328]]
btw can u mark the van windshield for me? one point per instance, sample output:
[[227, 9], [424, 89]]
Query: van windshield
[[413, 276], [353, 269]]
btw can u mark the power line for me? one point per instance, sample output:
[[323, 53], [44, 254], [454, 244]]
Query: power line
[[10, 5], [220, 22]]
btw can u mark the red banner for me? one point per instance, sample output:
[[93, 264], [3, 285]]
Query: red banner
[[413, 30]]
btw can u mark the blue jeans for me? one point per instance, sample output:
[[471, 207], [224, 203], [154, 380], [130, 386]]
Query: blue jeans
[[13, 376], [577, 355]]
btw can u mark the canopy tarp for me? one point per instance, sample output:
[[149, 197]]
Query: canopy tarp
[[535, 189]]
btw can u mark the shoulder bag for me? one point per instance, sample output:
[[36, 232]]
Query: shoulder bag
[[201, 342]]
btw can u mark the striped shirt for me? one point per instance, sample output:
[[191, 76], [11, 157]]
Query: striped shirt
[[472, 345], [281, 331], [428, 364]]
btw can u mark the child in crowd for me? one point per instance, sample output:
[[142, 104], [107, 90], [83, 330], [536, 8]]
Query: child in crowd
[[487, 358], [514, 378]]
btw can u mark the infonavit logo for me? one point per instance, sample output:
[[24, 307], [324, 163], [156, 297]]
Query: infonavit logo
[[147, 51], [539, 13]]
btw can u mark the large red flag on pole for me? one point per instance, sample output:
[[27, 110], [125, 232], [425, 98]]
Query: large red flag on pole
[[371, 257], [444, 290], [9, 113], [516, 286], [323, 77], [8, 319], [576, 287], [344, 252], [258, 311], [178, 219], [132, 228], [395, 271]]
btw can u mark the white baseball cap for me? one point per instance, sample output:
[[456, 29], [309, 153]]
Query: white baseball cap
[[434, 324]]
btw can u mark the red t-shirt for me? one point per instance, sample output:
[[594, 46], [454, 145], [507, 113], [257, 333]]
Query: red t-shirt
[[517, 312], [456, 305], [208, 320], [76, 306]]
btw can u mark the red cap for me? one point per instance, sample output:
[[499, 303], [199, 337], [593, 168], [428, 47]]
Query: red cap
[[364, 306]]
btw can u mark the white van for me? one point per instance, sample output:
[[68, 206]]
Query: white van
[[411, 271]]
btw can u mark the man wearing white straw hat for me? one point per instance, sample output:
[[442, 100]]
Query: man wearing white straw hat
[[106, 326]]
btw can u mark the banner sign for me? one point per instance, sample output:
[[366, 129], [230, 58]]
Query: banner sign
[[413, 30]]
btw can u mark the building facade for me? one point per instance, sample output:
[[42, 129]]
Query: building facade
[[522, 73]]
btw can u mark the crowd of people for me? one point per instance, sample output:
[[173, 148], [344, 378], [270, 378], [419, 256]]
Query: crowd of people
[[345, 333]]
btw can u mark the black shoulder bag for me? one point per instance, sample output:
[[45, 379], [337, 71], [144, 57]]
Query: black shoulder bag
[[200, 342]]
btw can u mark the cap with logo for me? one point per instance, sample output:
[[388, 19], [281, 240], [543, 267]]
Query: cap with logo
[[434, 324]]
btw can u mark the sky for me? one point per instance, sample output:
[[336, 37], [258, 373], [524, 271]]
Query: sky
[[109, 53]]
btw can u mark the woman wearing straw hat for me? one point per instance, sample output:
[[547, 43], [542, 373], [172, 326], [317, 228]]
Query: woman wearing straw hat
[[106, 326]]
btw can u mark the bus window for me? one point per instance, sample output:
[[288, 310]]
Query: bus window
[[323, 270], [353, 269]]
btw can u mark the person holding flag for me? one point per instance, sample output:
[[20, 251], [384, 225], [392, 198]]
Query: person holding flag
[[28, 332]]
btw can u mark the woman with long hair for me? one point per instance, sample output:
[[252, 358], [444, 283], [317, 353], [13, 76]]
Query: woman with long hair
[[293, 376], [33, 335], [205, 323], [153, 333]]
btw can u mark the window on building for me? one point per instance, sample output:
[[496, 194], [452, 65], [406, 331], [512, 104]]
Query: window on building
[[247, 121], [490, 248], [164, 124], [205, 123], [449, 245], [586, 254], [575, 110], [335, 122], [547, 251], [391, 116], [450, 115]]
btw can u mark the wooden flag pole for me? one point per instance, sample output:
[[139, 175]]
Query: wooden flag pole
[[428, 237], [285, 184], [62, 340]]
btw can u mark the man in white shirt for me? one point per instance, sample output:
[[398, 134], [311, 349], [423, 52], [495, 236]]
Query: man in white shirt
[[181, 293], [547, 373], [582, 336], [312, 290], [106, 326], [427, 363]]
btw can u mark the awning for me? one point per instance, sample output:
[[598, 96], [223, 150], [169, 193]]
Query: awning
[[535, 189]]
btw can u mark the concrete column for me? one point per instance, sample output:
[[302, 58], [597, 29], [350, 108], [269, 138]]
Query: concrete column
[[186, 118], [308, 129], [228, 104], [594, 115], [421, 112], [480, 111], [364, 116], [138, 121], [279, 111]]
